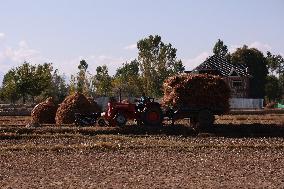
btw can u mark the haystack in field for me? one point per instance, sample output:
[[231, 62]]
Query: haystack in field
[[196, 91], [44, 112], [76, 103]]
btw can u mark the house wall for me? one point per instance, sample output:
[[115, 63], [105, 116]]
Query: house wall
[[241, 91], [246, 103]]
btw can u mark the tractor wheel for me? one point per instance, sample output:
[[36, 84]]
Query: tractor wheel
[[120, 119], [193, 122], [101, 122], [153, 116], [205, 119]]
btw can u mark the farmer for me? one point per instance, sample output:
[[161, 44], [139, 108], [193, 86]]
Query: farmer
[[142, 101], [110, 112], [144, 98]]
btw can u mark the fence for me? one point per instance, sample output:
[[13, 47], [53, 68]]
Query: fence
[[246, 103], [15, 109]]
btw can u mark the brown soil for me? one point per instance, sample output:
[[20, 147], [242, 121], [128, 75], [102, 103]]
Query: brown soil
[[245, 155], [15, 120], [108, 161]]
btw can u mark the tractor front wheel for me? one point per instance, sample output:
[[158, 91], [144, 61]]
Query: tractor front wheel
[[120, 119], [101, 122]]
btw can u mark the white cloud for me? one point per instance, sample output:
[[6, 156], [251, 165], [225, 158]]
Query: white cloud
[[191, 63], [71, 66], [23, 44], [260, 46], [11, 57], [263, 47], [131, 47], [233, 48], [2, 35], [15, 56]]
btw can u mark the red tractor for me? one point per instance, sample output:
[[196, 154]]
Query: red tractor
[[148, 113]]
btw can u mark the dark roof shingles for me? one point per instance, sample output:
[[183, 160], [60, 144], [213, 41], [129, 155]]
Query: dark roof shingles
[[220, 64]]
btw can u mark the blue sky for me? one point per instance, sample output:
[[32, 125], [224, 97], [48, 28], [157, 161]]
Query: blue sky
[[105, 32]]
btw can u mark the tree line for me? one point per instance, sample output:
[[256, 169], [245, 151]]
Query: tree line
[[155, 62]]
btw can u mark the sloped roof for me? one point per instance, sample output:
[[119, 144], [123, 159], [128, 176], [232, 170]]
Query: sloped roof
[[222, 66]]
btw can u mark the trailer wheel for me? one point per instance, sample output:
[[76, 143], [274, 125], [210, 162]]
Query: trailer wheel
[[152, 116], [120, 119], [205, 119], [193, 122]]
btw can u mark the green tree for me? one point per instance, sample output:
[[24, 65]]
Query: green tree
[[81, 82], [272, 89], [58, 88], [27, 80], [102, 81], [275, 63], [157, 62], [127, 79], [281, 85], [220, 49], [9, 87], [81, 77], [256, 63], [72, 85], [42, 79], [24, 79]]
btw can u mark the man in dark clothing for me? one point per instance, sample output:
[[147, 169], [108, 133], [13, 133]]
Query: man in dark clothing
[[142, 101]]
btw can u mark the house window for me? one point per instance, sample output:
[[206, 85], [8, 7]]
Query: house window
[[237, 83]]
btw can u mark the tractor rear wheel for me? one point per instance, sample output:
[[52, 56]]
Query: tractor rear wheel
[[153, 116], [120, 119]]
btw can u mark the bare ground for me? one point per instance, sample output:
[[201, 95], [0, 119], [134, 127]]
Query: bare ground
[[119, 161], [241, 152]]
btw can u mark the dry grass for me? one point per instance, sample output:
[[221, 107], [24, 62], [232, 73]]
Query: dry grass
[[126, 142], [251, 119]]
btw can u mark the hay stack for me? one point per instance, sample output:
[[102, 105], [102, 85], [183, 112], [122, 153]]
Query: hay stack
[[72, 104], [44, 112], [196, 91]]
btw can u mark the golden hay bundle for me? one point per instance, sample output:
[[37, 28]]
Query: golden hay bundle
[[76, 103], [44, 112], [196, 91]]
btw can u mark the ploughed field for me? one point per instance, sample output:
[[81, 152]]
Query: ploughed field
[[240, 151]]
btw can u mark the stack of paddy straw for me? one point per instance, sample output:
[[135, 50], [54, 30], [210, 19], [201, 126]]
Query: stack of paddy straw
[[76, 103], [196, 91], [44, 112]]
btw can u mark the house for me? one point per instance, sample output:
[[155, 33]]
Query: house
[[235, 75]]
